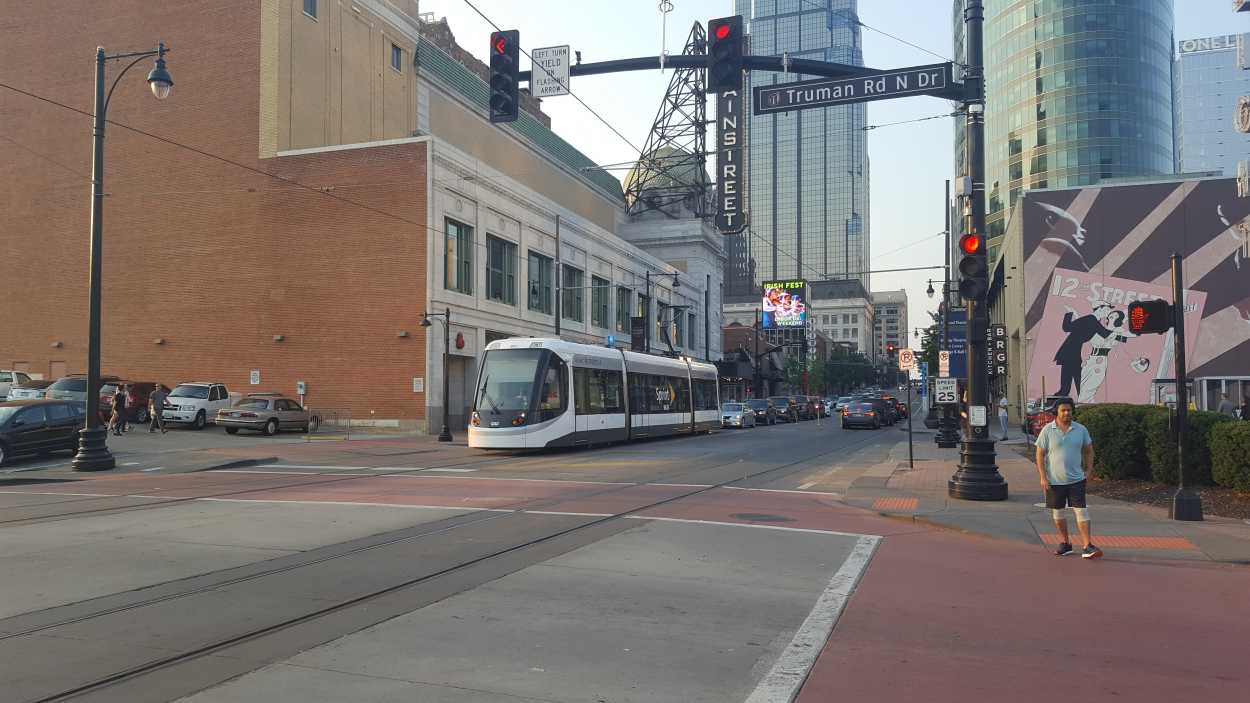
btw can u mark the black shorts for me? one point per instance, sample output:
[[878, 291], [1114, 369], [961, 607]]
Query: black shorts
[[1068, 495]]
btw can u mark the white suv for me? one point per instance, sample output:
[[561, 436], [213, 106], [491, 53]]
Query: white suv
[[8, 379], [196, 403]]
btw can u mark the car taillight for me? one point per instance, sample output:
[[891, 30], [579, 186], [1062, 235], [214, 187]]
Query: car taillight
[[475, 419], [248, 415], [518, 420], [871, 413]]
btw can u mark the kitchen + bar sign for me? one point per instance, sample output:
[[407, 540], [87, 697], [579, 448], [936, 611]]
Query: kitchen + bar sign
[[933, 79], [731, 218]]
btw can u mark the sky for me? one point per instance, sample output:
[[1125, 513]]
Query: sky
[[909, 163]]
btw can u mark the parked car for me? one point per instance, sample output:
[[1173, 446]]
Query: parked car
[[196, 403], [1039, 413], [765, 411], [137, 411], [30, 390], [267, 414], [787, 409], [736, 415], [901, 407], [8, 379], [74, 387], [861, 414], [39, 426]]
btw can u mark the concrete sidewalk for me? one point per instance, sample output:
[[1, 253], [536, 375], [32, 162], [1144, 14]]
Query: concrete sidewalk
[[1123, 530]]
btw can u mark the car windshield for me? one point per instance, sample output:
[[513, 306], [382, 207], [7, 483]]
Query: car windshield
[[254, 403], [200, 392], [74, 385], [731, 407], [7, 412]]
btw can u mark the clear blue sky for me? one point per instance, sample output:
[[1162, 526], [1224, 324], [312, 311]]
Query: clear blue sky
[[909, 163]]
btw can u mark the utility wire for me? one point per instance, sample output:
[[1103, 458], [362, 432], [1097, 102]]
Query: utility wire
[[562, 85], [918, 119]]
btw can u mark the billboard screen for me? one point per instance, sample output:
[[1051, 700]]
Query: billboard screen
[[785, 304], [1090, 252]]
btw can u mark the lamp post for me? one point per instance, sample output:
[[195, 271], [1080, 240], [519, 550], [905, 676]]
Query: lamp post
[[93, 453], [445, 434], [646, 331]]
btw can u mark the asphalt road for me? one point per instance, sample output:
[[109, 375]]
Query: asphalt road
[[680, 569]]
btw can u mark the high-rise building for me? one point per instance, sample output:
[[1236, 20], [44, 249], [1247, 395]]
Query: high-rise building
[[1073, 96], [807, 170], [1211, 74]]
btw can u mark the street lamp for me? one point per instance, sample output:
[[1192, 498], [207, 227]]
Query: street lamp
[[445, 434], [93, 453]]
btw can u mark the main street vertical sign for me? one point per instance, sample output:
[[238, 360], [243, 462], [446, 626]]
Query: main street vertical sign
[[731, 216]]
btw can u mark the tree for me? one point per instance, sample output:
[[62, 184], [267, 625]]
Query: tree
[[792, 372]]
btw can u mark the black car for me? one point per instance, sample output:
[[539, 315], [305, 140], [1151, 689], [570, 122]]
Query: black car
[[861, 414], [787, 410], [39, 426], [885, 409], [765, 411]]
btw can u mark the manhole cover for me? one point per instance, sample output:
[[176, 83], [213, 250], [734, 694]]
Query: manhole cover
[[761, 517]]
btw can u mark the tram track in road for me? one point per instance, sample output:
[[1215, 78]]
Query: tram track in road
[[544, 540]]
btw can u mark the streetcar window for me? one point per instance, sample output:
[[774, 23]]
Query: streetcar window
[[597, 392], [553, 396]]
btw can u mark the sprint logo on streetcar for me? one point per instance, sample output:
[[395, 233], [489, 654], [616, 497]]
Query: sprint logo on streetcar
[[538, 393]]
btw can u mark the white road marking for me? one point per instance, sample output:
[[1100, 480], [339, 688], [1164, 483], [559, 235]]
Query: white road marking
[[308, 466], [557, 512], [59, 493], [749, 524], [783, 490], [154, 468], [348, 502], [531, 480], [682, 485], [131, 463], [453, 471], [781, 684], [807, 485], [252, 471]]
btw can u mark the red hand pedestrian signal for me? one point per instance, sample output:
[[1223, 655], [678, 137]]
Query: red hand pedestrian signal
[[1149, 317]]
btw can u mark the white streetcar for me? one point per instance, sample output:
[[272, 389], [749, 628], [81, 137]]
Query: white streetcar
[[537, 393]]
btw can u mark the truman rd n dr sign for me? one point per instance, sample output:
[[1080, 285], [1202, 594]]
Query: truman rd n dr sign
[[933, 79]]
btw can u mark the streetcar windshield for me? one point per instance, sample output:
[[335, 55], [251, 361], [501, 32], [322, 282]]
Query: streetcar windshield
[[507, 381]]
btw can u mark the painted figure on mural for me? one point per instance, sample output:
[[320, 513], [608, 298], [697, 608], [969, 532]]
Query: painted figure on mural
[[1081, 330], [1064, 238], [1094, 370]]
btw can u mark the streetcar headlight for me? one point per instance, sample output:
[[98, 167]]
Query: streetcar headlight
[[476, 420], [518, 420]]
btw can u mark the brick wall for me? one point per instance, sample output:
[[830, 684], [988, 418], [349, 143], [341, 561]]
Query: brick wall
[[213, 258]]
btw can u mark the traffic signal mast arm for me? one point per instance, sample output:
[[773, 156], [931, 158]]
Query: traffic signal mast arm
[[807, 67]]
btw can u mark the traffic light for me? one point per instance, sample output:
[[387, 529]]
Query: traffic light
[[505, 51], [972, 284], [889, 349], [724, 54], [1149, 317]]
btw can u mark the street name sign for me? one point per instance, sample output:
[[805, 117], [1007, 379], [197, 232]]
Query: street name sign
[[554, 80], [945, 390], [932, 79], [730, 178]]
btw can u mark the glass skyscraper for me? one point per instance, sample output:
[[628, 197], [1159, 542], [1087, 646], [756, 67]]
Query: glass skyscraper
[[1076, 92], [807, 171], [1211, 74]]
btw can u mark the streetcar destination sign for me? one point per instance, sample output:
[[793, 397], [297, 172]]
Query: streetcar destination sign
[[933, 79]]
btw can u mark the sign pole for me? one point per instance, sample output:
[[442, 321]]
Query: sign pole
[[911, 411], [1186, 504], [977, 477]]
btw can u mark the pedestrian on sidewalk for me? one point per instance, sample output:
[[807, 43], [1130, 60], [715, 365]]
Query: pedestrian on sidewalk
[[156, 408], [1227, 407], [1002, 415], [117, 422], [1065, 453]]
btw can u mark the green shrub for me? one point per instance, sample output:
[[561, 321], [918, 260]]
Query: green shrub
[[1161, 446], [1119, 438], [1230, 455]]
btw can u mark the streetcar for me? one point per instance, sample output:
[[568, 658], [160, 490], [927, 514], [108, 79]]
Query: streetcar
[[539, 393]]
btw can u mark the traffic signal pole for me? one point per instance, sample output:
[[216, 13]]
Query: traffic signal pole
[[977, 477], [1186, 505]]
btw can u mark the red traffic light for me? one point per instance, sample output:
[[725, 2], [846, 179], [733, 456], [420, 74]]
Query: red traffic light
[[722, 31], [501, 43], [970, 244]]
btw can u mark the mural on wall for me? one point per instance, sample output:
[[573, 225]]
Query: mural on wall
[[1090, 252]]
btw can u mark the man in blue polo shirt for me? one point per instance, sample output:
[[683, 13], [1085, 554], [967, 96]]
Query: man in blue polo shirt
[[1065, 452]]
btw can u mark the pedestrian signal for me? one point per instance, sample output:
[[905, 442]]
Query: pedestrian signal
[[1149, 317]]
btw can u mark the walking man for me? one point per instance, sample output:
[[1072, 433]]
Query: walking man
[[1227, 407], [1065, 453], [1002, 415], [118, 421], [156, 408]]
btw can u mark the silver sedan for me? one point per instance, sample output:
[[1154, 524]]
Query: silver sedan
[[736, 415], [267, 414]]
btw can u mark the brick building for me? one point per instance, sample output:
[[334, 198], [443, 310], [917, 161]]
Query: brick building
[[341, 179]]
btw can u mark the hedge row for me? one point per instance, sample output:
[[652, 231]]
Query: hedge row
[[1136, 441], [1230, 455]]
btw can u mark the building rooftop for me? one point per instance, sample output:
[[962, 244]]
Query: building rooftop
[[837, 289]]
